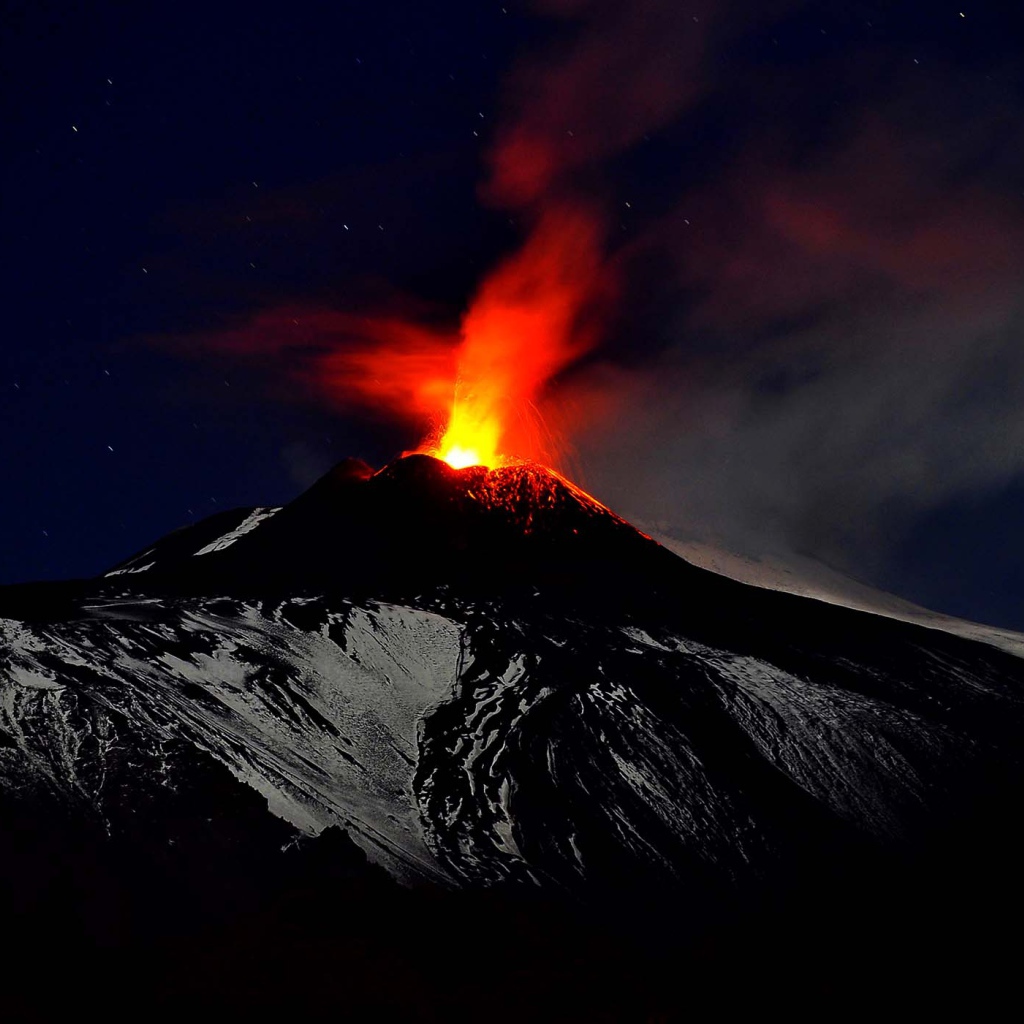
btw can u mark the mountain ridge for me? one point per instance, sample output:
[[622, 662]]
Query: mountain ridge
[[531, 700]]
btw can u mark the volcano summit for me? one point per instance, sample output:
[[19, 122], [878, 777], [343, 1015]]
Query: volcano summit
[[487, 680]]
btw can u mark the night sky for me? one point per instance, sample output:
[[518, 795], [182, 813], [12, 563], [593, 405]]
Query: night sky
[[812, 216]]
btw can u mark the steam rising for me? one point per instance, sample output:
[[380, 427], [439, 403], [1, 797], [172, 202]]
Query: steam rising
[[839, 349]]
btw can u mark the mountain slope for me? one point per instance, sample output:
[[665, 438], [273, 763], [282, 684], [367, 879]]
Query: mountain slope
[[807, 577], [489, 679]]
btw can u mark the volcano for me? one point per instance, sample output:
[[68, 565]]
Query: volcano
[[449, 681]]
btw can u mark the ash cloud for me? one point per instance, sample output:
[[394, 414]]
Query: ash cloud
[[811, 242], [616, 72], [820, 340]]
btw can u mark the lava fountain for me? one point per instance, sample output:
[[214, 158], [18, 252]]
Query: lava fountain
[[523, 327], [481, 388]]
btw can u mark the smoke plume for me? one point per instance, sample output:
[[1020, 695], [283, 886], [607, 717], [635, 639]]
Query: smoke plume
[[772, 302]]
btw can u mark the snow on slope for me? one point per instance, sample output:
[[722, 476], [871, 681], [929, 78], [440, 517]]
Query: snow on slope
[[567, 704], [530, 773], [321, 721], [251, 521], [136, 565], [806, 577], [484, 742]]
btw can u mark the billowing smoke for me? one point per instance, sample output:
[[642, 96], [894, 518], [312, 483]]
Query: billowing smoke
[[837, 346], [617, 72], [770, 302]]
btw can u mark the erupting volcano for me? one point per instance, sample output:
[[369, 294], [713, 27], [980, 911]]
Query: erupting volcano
[[487, 680], [524, 326], [482, 389]]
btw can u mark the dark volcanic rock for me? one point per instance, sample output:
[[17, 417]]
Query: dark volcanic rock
[[478, 680]]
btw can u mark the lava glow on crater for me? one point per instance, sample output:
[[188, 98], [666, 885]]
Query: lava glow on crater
[[481, 390], [474, 430], [520, 331], [460, 458]]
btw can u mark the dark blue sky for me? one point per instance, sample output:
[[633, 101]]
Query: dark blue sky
[[834, 207]]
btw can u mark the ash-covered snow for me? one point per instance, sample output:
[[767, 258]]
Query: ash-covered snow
[[251, 521], [321, 721], [486, 748], [806, 577], [135, 565], [568, 706]]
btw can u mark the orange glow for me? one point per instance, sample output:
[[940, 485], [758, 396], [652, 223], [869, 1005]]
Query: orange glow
[[522, 328], [527, 493], [478, 389], [460, 458]]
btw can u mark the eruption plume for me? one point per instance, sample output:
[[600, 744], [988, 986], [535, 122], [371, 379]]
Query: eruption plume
[[523, 327], [537, 312], [479, 390], [476, 392]]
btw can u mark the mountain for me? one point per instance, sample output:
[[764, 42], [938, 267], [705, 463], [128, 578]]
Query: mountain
[[792, 573], [483, 682]]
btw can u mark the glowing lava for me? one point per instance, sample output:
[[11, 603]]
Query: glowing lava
[[533, 316], [522, 328], [472, 434], [460, 458]]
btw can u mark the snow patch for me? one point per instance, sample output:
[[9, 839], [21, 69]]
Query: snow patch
[[249, 523], [128, 569]]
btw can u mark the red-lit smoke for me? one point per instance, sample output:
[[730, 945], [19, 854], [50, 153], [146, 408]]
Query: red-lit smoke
[[478, 390], [617, 71], [625, 70]]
